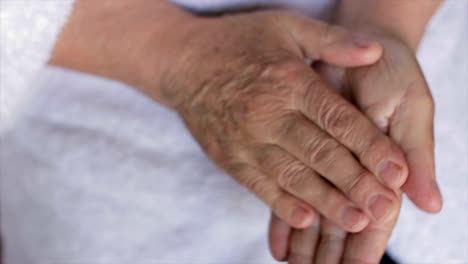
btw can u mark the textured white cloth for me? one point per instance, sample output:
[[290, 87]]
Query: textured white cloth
[[28, 31], [93, 172]]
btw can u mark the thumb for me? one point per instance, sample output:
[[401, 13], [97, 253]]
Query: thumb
[[413, 130], [332, 44]]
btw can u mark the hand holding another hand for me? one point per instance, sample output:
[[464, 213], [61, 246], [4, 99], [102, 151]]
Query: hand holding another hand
[[394, 95], [269, 119], [257, 109]]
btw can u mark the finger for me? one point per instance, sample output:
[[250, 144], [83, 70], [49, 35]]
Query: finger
[[331, 43], [303, 244], [368, 246], [305, 184], [292, 210], [332, 242], [319, 151], [278, 237], [413, 129], [351, 128]]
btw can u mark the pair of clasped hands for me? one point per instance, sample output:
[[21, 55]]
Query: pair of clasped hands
[[327, 127]]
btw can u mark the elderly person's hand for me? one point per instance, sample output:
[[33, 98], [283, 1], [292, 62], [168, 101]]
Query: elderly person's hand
[[269, 120], [393, 93], [257, 109]]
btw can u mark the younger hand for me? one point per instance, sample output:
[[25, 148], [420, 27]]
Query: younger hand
[[394, 95]]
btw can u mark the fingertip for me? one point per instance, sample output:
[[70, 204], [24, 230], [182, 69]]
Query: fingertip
[[361, 225], [435, 202], [349, 53], [430, 205], [434, 206], [426, 198], [421, 186], [370, 51], [354, 220], [302, 217], [365, 42]]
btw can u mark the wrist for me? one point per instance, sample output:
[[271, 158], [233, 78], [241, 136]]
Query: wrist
[[163, 58], [129, 41]]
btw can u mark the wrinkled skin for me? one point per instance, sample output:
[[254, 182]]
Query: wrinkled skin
[[394, 95], [258, 111], [270, 121]]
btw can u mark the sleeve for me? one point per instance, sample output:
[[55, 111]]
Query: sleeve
[[28, 32]]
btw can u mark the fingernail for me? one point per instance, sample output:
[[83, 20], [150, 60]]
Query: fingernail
[[300, 217], [362, 42], [351, 217], [379, 206], [390, 173]]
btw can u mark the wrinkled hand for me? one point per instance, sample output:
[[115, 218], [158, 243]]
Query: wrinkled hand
[[268, 119], [394, 95]]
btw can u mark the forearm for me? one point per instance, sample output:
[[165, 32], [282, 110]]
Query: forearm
[[407, 19], [129, 41]]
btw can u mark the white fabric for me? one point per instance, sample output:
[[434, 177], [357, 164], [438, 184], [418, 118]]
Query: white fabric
[[92, 172], [28, 29]]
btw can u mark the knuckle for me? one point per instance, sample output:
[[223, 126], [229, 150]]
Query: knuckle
[[338, 119], [265, 154], [310, 93], [336, 201], [292, 80], [273, 92], [356, 185], [333, 202], [252, 180], [285, 69], [263, 104], [291, 175], [263, 108], [286, 126], [377, 148], [257, 185], [322, 151], [238, 169]]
